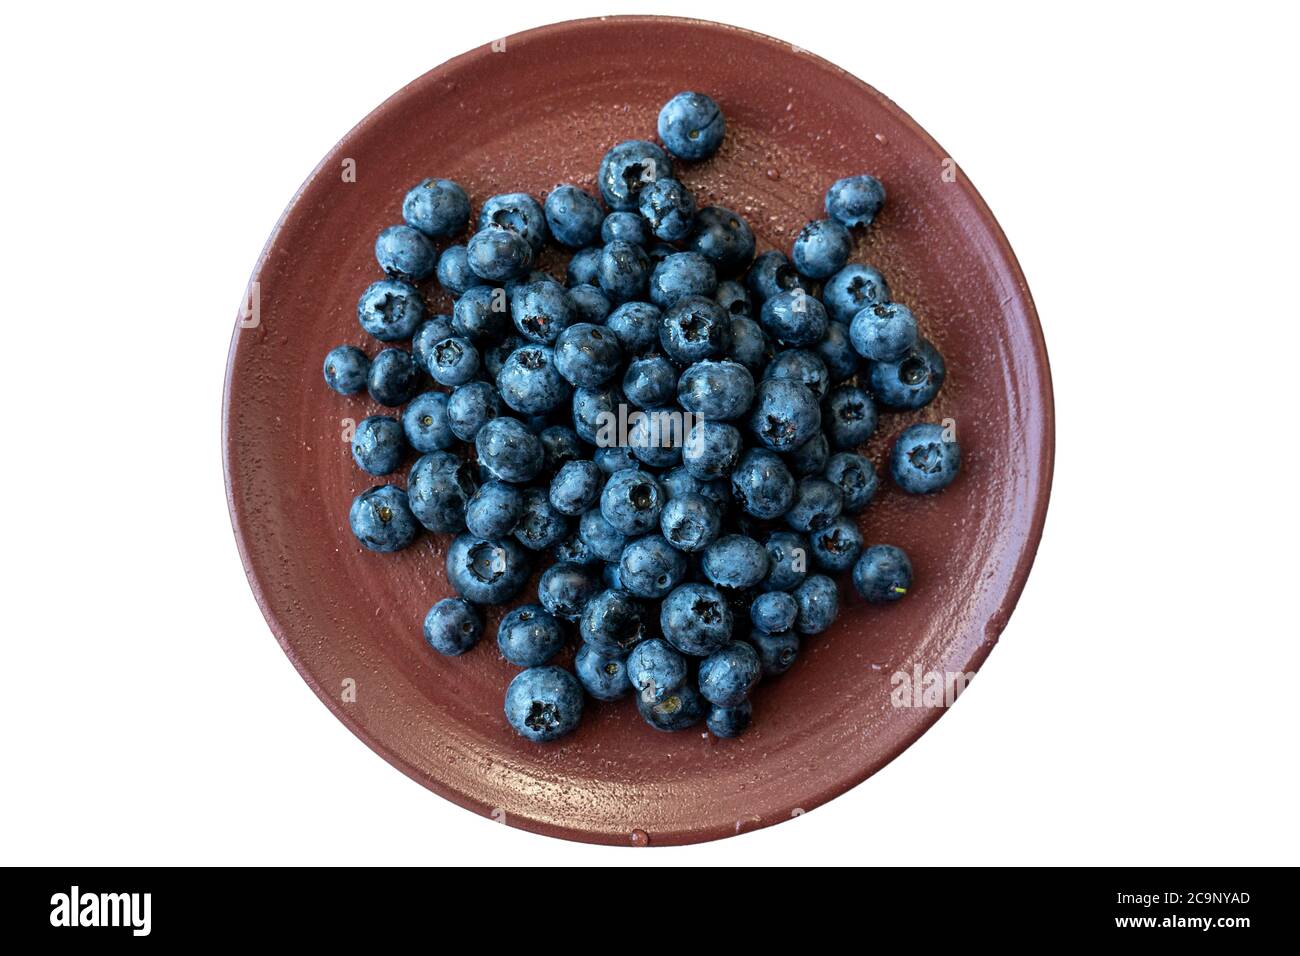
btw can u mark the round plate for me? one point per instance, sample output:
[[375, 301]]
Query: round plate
[[528, 113]]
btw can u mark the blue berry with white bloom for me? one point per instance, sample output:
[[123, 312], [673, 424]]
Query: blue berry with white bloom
[[690, 522], [771, 274], [452, 627], [576, 487], [584, 266], [439, 208], [405, 253], [735, 561], [604, 540], [566, 588], [540, 525], [378, 444], [852, 289], [544, 703], [883, 332], [439, 487], [531, 383], [482, 314], [627, 168], [801, 365], [784, 414], [453, 361], [391, 310], [837, 353], [856, 478], [574, 217], [695, 328], [669, 209], [470, 407], [454, 273], [613, 621], [910, 383], [529, 636], [762, 485], [627, 226], [655, 669], [590, 303], [836, 546], [650, 567], [541, 311], [494, 510], [788, 559], [636, 325], [604, 676], [883, 574], [728, 722], [381, 519], [346, 369], [519, 213], [692, 126], [728, 674], [926, 458], [855, 200], [821, 248], [774, 611], [850, 416], [695, 619], [650, 382], [509, 451], [486, 571], [631, 501], [624, 270], [724, 238], [817, 502], [794, 318], [819, 603], [429, 333], [587, 355], [679, 275], [496, 254], [776, 650], [717, 390], [394, 377], [712, 450]]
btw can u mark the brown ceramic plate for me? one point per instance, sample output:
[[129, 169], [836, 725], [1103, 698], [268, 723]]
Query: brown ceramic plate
[[539, 111]]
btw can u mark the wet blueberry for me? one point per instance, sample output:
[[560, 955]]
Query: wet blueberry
[[381, 519], [692, 126], [391, 310], [724, 238], [574, 217], [695, 328], [850, 416], [762, 485], [439, 208], [627, 168], [784, 414], [454, 273], [486, 571], [378, 444], [440, 486], [394, 377], [636, 324], [855, 200], [669, 209], [819, 603], [565, 588], [776, 650], [679, 710], [695, 619], [624, 271], [544, 703], [788, 560], [728, 674], [494, 510], [883, 332], [821, 248], [540, 525], [453, 361], [852, 289], [613, 621], [519, 213], [530, 383], [604, 676], [690, 522], [730, 721], [735, 561], [587, 355], [452, 627], [627, 226], [509, 451], [405, 253], [836, 546], [910, 383], [470, 407], [542, 310], [346, 369], [925, 459], [883, 574], [794, 318], [631, 501], [576, 487], [650, 567]]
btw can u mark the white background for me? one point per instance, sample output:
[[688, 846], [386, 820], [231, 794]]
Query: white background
[[1141, 705]]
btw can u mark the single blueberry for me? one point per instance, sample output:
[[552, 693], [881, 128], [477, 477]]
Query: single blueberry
[[391, 310], [495, 254], [544, 703], [785, 414], [453, 361], [590, 304], [604, 676], [482, 314], [587, 355], [381, 519], [852, 289], [631, 501], [494, 510], [776, 651], [470, 407], [486, 571], [509, 451], [819, 603], [584, 266], [519, 213], [884, 332], [821, 248], [883, 574], [378, 444], [595, 414], [750, 345], [695, 619], [655, 669], [429, 333], [627, 168], [636, 324], [405, 253], [669, 209], [346, 369], [613, 621], [650, 567], [810, 458], [679, 710], [728, 674], [691, 126], [787, 555], [817, 502], [850, 416], [439, 208], [855, 200], [530, 383], [794, 318], [573, 216], [836, 546], [690, 522], [925, 459], [615, 458], [712, 450], [542, 310], [565, 588], [856, 478], [910, 383], [624, 271], [723, 237], [529, 636], [454, 273], [576, 487], [771, 274], [735, 561], [439, 486], [837, 353], [728, 722], [574, 550], [716, 390], [540, 525], [627, 226], [774, 611], [682, 274], [801, 365], [604, 540], [394, 378], [452, 627], [762, 485], [657, 435], [695, 328], [734, 297], [650, 382]]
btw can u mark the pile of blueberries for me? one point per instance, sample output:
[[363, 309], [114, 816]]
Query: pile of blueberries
[[675, 424]]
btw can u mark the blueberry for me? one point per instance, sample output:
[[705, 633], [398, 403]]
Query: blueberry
[[810, 458], [439, 208], [346, 369], [378, 444], [405, 253], [776, 650], [615, 458], [481, 314], [454, 273], [452, 626], [544, 703], [910, 383], [695, 619], [655, 669], [573, 216], [668, 208], [695, 328], [712, 450], [613, 621], [494, 510], [855, 200], [590, 304], [519, 213], [926, 458], [390, 310], [576, 487], [852, 289], [627, 226], [883, 574], [627, 168], [680, 482], [541, 311], [680, 710], [716, 390], [883, 332], [495, 254], [381, 519], [837, 353], [729, 721], [774, 611], [801, 365], [690, 522], [762, 485], [650, 382], [540, 525], [509, 451], [787, 556], [594, 409], [771, 274], [560, 446], [529, 636], [851, 416], [394, 378], [486, 571], [470, 407], [729, 673], [784, 414], [734, 297], [819, 603], [429, 333], [817, 502], [624, 271], [584, 266], [636, 324], [453, 361], [724, 238], [682, 274], [574, 550], [650, 567], [735, 561], [691, 126], [750, 345], [439, 486], [587, 355], [856, 478], [836, 546], [794, 318], [530, 383], [631, 501], [604, 676], [656, 436], [564, 589], [604, 540], [821, 248]]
